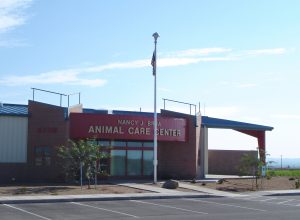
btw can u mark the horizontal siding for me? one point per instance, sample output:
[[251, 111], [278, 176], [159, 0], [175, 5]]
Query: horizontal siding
[[13, 139]]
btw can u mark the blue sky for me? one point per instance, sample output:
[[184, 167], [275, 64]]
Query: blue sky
[[239, 59]]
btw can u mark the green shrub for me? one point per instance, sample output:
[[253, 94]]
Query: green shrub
[[297, 183], [291, 172], [270, 173]]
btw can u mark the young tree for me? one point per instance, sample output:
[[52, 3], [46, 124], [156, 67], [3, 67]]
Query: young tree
[[81, 157], [251, 165]]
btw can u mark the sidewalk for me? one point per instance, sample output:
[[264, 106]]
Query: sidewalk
[[209, 191], [295, 192], [154, 193]]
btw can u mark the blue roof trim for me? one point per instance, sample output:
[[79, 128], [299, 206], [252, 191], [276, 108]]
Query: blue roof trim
[[13, 110], [236, 125], [148, 114], [95, 111]]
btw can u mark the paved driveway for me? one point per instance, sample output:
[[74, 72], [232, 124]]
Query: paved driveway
[[261, 207]]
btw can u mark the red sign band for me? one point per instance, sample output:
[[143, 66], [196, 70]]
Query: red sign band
[[126, 127]]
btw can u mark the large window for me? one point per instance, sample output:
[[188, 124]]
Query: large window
[[134, 166], [134, 144], [148, 163], [128, 158], [118, 163]]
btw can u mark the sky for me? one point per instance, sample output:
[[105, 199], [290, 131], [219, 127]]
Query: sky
[[237, 60]]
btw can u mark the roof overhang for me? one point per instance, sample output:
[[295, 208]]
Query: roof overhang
[[209, 122]]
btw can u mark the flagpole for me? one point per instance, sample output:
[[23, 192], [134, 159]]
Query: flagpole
[[155, 35]]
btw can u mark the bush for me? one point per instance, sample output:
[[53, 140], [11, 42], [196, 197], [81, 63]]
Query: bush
[[271, 173], [297, 183], [284, 172]]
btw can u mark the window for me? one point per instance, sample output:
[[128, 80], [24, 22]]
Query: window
[[118, 144], [148, 144], [104, 143], [42, 156], [127, 158], [118, 162], [148, 163], [134, 166], [134, 144]]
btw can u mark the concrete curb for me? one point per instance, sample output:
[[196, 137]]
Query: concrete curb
[[280, 193], [108, 197]]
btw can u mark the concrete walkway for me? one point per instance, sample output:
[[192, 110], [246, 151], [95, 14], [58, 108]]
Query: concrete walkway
[[150, 188], [208, 190], [96, 197], [154, 192], [275, 192], [192, 188]]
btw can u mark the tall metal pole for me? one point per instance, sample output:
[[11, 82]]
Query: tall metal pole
[[154, 59]]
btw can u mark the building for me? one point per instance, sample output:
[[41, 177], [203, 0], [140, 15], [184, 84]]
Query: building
[[30, 135]]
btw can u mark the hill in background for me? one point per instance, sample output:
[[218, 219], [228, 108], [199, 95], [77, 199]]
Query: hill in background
[[293, 163]]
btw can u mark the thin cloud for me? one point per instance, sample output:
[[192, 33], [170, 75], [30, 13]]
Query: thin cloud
[[247, 85], [69, 77], [272, 51], [199, 52], [75, 76], [220, 111], [118, 65], [12, 13], [238, 85], [9, 43], [168, 62], [287, 116], [164, 89]]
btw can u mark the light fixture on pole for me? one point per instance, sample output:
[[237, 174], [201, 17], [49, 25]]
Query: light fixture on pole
[[153, 63]]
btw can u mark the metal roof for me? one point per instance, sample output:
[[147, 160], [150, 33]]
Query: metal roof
[[209, 122], [95, 111], [13, 109], [229, 124], [148, 114]]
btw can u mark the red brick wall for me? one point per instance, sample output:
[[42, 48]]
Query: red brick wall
[[226, 162], [47, 126], [176, 159]]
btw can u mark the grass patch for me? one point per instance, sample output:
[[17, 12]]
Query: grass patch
[[289, 172]]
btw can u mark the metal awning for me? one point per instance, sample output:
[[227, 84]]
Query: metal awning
[[229, 124]]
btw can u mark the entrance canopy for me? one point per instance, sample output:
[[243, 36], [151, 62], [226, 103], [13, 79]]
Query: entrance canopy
[[209, 122], [254, 130]]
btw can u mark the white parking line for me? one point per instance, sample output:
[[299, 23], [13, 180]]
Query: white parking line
[[250, 197], [223, 204], [108, 210], [168, 206], [22, 210], [285, 201], [265, 200]]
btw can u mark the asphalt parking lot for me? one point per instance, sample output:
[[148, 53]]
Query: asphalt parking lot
[[251, 207]]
